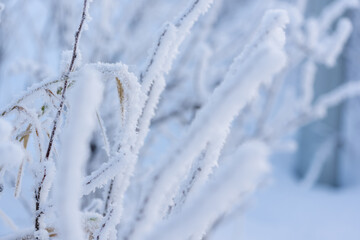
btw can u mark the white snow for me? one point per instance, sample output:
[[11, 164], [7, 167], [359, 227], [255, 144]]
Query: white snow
[[85, 100]]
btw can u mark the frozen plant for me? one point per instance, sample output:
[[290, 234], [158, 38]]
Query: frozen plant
[[163, 147]]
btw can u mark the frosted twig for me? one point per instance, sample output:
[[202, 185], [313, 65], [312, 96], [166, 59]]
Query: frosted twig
[[201, 169], [75, 139], [159, 63], [161, 60], [29, 92], [103, 132], [65, 77], [268, 44], [318, 161], [247, 169], [317, 111], [334, 11]]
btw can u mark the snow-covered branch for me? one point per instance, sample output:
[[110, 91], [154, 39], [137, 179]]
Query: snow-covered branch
[[247, 169], [85, 100], [268, 43], [152, 144]]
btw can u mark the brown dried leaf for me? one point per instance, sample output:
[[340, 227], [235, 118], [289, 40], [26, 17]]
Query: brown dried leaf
[[121, 94]]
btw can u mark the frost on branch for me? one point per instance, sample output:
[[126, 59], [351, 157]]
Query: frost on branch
[[334, 97], [161, 59], [180, 138], [123, 157], [267, 43], [200, 171], [128, 110], [85, 100], [329, 49], [246, 168]]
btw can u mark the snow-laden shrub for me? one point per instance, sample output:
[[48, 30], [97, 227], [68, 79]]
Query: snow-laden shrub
[[168, 149]]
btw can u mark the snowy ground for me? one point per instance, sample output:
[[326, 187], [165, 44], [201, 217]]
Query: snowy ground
[[286, 211]]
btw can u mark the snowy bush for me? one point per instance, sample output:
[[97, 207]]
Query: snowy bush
[[169, 148]]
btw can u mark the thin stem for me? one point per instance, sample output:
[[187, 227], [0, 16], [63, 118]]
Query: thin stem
[[108, 197], [59, 112], [27, 94], [66, 79]]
